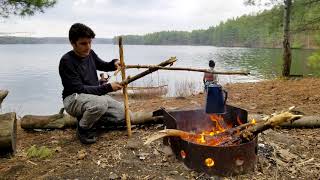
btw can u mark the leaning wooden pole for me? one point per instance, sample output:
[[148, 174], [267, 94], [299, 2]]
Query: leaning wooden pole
[[187, 69], [125, 93]]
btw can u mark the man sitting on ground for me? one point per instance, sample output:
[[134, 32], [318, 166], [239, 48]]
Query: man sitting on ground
[[82, 93]]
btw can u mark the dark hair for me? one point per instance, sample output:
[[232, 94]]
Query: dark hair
[[212, 64], [79, 30]]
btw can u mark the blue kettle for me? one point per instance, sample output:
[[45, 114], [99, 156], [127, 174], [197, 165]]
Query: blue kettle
[[216, 99]]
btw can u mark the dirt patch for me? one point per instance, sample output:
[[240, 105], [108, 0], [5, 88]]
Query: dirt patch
[[283, 154]]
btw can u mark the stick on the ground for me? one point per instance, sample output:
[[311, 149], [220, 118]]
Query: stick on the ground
[[188, 69], [150, 70], [125, 93]]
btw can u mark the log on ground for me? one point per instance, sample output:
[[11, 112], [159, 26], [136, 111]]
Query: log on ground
[[55, 121], [62, 121], [8, 133]]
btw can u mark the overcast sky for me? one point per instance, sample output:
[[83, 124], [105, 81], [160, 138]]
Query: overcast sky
[[110, 18]]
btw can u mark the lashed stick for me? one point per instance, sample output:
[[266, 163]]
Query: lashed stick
[[125, 93], [187, 69], [150, 70]]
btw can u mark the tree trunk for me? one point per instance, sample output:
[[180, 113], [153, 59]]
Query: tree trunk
[[62, 121], [8, 133], [286, 39], [304, 122], [56, 121]]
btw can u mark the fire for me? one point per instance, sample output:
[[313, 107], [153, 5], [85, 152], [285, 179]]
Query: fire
[[209, 162], [214, 135], [201, 139], [253, 121]]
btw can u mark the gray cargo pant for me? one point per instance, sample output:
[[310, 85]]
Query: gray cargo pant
[[92, 108]]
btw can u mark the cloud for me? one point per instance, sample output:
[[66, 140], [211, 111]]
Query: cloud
[[114, 17]]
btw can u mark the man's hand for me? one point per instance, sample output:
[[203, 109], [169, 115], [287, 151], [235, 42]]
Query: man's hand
[[116, 86], [117, 64]]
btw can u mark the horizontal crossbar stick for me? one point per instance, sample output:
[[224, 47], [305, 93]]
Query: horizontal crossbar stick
[[187, 69]]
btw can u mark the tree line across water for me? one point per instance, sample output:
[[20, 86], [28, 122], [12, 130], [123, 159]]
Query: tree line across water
[[263, 29]]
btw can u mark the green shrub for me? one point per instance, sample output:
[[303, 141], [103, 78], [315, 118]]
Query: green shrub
[[42, 152]]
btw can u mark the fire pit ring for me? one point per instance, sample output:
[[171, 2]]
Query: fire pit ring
[[214, 160]]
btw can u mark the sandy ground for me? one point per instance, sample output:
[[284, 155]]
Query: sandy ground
[[282, 154]]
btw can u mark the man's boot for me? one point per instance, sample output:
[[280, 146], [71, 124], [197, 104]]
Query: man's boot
[[86, 136]]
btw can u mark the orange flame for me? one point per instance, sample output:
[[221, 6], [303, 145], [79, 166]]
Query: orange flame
[[253, 121], [211, 136], [209, 162]]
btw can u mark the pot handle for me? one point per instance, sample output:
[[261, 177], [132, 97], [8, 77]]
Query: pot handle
[[225, 96]]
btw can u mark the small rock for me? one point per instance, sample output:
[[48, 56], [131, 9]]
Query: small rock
[[82, 154], [142, 156], [58, 149], [174, 172], [113, 176]]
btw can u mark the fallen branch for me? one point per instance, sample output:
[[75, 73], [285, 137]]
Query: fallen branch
[[187, 69]]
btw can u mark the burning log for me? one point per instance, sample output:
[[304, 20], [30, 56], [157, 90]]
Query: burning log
[[244, 132], [8, 133]]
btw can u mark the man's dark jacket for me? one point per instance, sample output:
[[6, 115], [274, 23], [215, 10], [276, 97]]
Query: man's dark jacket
[[79, 75]]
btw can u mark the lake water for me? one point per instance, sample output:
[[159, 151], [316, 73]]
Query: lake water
[[30, 72]]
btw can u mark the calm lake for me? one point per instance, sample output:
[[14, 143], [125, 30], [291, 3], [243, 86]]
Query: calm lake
[[30, 72]]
